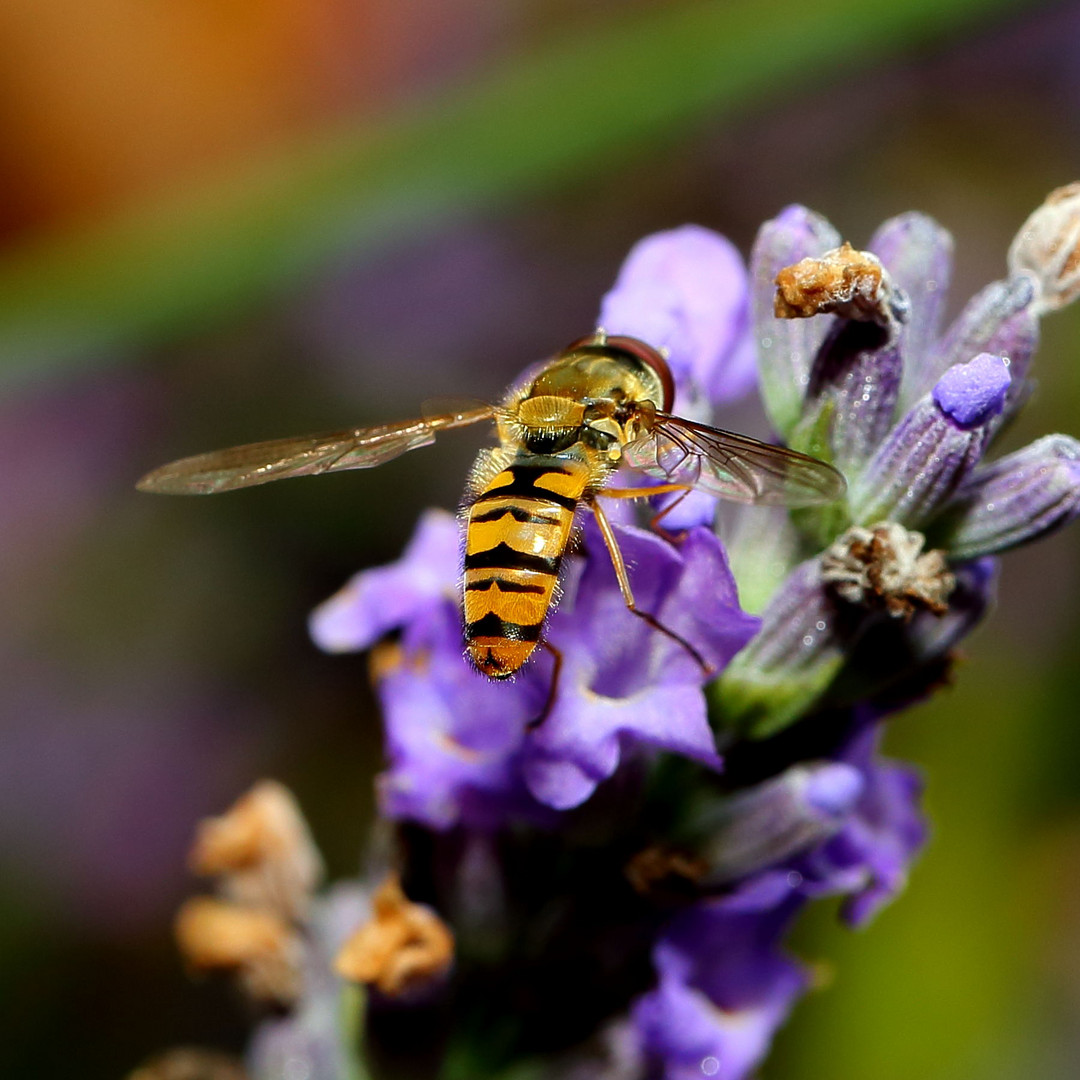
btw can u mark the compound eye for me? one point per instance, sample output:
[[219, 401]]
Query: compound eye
[[651, 359]]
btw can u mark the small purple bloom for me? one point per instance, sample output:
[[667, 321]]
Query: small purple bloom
[[685, 291], [454, 739], [622, 678], [374, 602], [459, 745], [724, 985], [774, 820], [870, 855]]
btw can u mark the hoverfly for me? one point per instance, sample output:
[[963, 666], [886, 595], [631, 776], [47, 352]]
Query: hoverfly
[[563, 430]]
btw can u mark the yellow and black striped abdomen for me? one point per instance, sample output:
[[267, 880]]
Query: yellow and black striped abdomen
[[518, 529]]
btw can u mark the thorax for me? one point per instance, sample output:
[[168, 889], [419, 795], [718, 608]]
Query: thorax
[[585, 406]]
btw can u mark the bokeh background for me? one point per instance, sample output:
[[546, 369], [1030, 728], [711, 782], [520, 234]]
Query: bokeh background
[[223, 222]]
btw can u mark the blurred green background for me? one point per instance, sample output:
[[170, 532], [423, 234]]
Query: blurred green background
[[234, 221]]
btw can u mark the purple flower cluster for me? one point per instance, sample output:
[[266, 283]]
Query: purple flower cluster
[[459, 745], [860, 605]]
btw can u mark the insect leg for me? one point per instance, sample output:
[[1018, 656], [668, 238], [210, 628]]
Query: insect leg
[[549, 701], [627, 594], [646, 492]]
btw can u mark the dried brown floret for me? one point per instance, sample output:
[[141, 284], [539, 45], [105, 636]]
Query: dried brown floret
[[665, 870], [261, 852], [885, 566], [842, 281], [1048, 247], [260, 946], [403, 947], [190, 1063]]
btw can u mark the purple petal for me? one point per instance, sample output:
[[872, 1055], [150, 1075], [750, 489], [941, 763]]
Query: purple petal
[[454, 739], [857, 374], [833, 790], [374, 602], [869, 857], [623, 681], [724, 988], [459, 745], [685, 291]]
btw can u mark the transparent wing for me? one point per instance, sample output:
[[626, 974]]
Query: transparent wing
[[733, 466], [308, 455]]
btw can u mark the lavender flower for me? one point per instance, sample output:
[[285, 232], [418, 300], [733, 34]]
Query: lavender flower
[[724, 984], [632, 865], [926, 475], [459, 745]]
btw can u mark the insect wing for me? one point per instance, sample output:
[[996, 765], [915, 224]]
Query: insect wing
[[732, 466], [307, 455]]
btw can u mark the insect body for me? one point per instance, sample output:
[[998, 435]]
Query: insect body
[[563, 431]]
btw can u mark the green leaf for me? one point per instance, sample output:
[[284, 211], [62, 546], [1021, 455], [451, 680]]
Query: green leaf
[[578, 106]]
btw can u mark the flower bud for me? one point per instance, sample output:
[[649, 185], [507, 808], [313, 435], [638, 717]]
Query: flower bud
[[1014, 500], [1002, 320], [1048, 247], [934, 447], [917, 252], [789, 663], [786, 348], [857, 378], [774, 820]]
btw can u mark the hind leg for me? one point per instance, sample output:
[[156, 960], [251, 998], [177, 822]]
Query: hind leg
[[553, 687]]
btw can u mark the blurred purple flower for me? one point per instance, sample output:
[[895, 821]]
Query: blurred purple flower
[[724, 985], [869, 857]]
